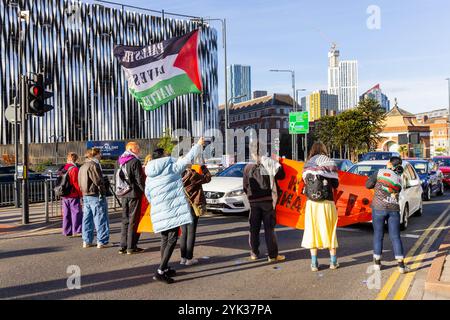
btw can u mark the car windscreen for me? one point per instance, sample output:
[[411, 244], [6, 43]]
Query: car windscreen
[[376, 156], [366, 170], [421, 167], [235, 171], [443, 162]]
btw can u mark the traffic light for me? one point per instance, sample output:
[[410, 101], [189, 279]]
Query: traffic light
[[37, 96]]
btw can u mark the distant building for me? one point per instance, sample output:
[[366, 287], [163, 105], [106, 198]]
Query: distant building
[[259, 93], [424, 116], [376, 94], [239, 82], [401, 128], [343, 80], [320, 104], [268, 112]]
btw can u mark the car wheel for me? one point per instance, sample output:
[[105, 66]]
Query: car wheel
[[441, 190], [427, 194], [404, 224]]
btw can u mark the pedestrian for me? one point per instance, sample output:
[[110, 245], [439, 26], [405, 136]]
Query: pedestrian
[[169, 205], [386, 208], [192, 181], [71, 203], [320, 176], [95, 207], [259, 184], [131, 172]]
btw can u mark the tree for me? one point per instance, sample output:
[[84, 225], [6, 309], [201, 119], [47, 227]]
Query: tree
[[403, 150], [166, 142]]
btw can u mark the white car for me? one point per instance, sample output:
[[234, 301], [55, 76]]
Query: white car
[[411, 195], [214, 165], [225, 192]]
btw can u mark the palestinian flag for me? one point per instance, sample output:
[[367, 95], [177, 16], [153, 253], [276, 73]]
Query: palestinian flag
[[163, 71]]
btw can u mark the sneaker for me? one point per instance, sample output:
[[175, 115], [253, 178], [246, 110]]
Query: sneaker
[[253, 256], [402, 268], [87, 245], [334, 266], [103, 246], [314, 267], [122, 250], [191, 262], [135, 250], [170, 272], [183, 261], [376, 264], [277, 259], [163, 278], [77, 235]]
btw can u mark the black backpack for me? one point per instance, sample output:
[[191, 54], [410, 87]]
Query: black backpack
[[316, 188], [63, 187], [259, 182]]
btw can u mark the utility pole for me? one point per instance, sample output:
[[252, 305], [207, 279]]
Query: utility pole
[[25, 206], [448, 134]]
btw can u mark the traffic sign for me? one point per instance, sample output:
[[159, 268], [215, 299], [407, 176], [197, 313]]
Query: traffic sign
[[299, 122], [10, 114]]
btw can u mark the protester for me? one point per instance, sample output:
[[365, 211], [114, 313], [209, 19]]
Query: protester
[[320, 175], [259, 184], [169, 205], [386, 208], [95, 207], [192, 181], [132, 173], [71, 203]]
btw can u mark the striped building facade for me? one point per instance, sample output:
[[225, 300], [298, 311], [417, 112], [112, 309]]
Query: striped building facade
[[72, 43]]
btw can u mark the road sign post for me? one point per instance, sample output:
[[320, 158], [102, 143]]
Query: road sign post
[[299, 124]]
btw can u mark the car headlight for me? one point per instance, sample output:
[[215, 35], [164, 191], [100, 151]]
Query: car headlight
[[236, 193]]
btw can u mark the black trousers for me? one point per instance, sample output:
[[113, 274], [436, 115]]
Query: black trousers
[[168, 243], [130, 220], [187, 241], [263, 212]]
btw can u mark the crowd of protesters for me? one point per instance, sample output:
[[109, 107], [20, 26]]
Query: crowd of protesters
[[173, 188]]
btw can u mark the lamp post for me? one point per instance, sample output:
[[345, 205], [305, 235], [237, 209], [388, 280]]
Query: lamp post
[[448, 133], [305, 146], [294, 137]]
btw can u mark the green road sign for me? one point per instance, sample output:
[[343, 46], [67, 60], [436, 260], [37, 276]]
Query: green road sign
[[298, 122]]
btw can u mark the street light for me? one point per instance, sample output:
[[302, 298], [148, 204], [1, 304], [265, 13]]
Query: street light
[[305, 146], [448, 134], [294, 137]]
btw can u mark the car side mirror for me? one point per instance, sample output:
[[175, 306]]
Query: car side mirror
[[433, 172]]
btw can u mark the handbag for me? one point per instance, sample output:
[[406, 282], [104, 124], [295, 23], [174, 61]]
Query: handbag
[[198, 210]]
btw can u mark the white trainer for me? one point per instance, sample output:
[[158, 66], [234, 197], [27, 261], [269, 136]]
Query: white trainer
[[191, 262]]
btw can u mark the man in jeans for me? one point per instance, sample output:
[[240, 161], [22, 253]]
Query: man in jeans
[[385, 207], [260, 187], [133, 174], [95, 207]]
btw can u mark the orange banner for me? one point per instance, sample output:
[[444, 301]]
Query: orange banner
[[352, 198]]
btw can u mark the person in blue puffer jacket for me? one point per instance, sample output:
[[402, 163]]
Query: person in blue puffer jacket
[[170, 208]]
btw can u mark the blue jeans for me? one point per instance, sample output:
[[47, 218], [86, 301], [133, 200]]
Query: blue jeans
[[95, 212], [393, 219]]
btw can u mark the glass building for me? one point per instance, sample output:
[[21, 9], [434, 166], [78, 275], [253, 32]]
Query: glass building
[[72, 43], [239, 82]]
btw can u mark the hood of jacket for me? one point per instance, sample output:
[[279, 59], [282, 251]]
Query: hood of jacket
[[156, 167], [126, 157]]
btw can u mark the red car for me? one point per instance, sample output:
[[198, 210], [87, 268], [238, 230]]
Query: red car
[[444, 166]]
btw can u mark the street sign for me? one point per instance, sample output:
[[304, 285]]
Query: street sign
[[109, 149], [298, 122], [10, 114]]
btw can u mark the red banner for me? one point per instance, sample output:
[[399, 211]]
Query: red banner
[[352, 198]]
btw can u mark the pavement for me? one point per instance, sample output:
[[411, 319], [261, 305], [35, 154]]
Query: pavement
[[42, 264]]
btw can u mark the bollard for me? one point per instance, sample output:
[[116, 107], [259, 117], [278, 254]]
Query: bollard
[[46, 190]]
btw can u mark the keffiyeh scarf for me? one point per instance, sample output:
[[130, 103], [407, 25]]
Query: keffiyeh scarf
[[321, 165]]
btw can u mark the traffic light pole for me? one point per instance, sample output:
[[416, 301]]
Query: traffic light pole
[[24, 102]]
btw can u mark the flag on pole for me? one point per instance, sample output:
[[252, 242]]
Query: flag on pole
[[161, 72]]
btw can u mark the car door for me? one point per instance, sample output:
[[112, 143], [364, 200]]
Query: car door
[[415, 189]]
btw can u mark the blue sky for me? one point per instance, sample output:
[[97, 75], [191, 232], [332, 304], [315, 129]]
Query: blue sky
[[409, 55]]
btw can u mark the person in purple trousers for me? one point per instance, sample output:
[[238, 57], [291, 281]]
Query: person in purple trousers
[[71, 204]]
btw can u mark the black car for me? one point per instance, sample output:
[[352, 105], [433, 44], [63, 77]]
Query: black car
[[378, 155], [7, 175]]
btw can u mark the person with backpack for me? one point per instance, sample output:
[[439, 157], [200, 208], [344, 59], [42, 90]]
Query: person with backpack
[[193, 181], [130, 186], [386, 208], [320, 177], [259, 184], [169, 205], [68, 189], [95, 206]]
